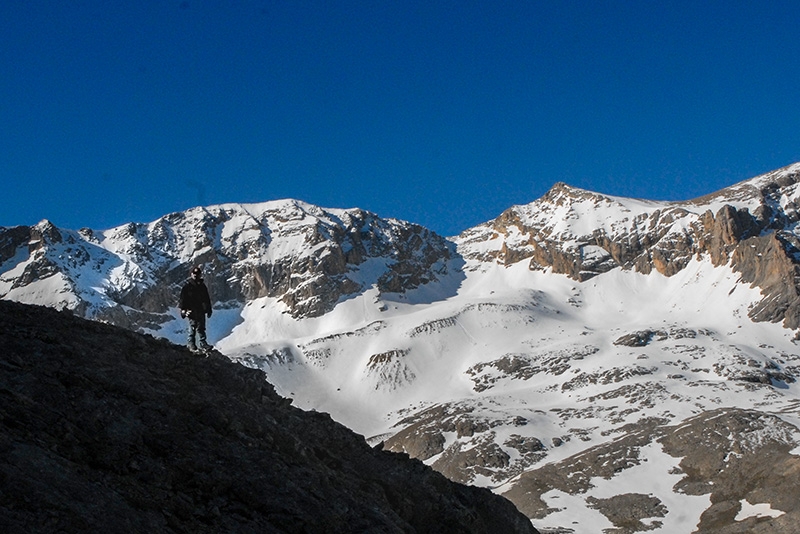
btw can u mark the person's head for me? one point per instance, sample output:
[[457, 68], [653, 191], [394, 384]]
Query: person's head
[[197, 273]]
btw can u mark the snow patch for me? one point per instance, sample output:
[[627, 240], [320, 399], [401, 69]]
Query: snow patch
[[757, 510]]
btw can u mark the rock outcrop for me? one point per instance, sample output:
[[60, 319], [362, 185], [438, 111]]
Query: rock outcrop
[[733, 456], [105, 430]]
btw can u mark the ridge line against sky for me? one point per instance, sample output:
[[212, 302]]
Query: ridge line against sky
[[439, 113]]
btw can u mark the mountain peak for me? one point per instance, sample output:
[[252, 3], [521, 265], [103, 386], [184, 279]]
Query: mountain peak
[[44, 232], [562, 193], [306, 257]]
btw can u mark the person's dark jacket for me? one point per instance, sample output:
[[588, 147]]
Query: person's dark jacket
[[195, 301]]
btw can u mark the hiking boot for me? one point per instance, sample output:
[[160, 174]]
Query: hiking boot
[[192, 347]]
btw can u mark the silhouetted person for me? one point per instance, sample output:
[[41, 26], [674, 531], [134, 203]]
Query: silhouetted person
[[195, 304]]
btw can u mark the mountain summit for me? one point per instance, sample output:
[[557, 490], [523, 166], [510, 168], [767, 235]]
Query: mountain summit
[[604, 362], [310, 258]]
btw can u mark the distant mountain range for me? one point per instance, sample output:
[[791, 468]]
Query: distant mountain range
[[604, 362]]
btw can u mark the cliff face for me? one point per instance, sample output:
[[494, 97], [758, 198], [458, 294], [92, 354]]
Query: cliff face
[[106, 430], [583, 234]]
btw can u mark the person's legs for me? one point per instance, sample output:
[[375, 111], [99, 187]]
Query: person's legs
[[201, 331], [193, 330]]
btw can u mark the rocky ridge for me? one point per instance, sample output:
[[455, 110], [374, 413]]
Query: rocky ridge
[[107, 430], [571, 231], [310, 258], [306, 257]]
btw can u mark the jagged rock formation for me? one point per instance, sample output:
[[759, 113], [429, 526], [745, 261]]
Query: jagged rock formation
[[580, 234], [475, 451], [311, 258], [105, 430], [306, 257]]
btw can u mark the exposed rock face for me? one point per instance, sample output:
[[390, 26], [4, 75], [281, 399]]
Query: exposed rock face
[[578, 233], [423, 437], [105, 430], [627, 511], [738, 456], [769, 262], [307, 257]]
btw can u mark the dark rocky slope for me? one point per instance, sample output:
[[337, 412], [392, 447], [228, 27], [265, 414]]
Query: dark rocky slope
[[105, 430]]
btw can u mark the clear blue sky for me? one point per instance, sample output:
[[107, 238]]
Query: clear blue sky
[[443, 113]]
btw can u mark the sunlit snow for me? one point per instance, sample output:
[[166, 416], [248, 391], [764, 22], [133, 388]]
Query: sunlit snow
[[756, 510]]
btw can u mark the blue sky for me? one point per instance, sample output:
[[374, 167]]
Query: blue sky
[[443, 113]]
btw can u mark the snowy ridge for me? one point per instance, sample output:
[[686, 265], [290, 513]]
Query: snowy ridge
[[570, 215], [307, 256]]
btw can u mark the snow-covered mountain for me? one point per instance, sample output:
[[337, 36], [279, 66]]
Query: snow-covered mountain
[[306, 257], [606, 363]]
